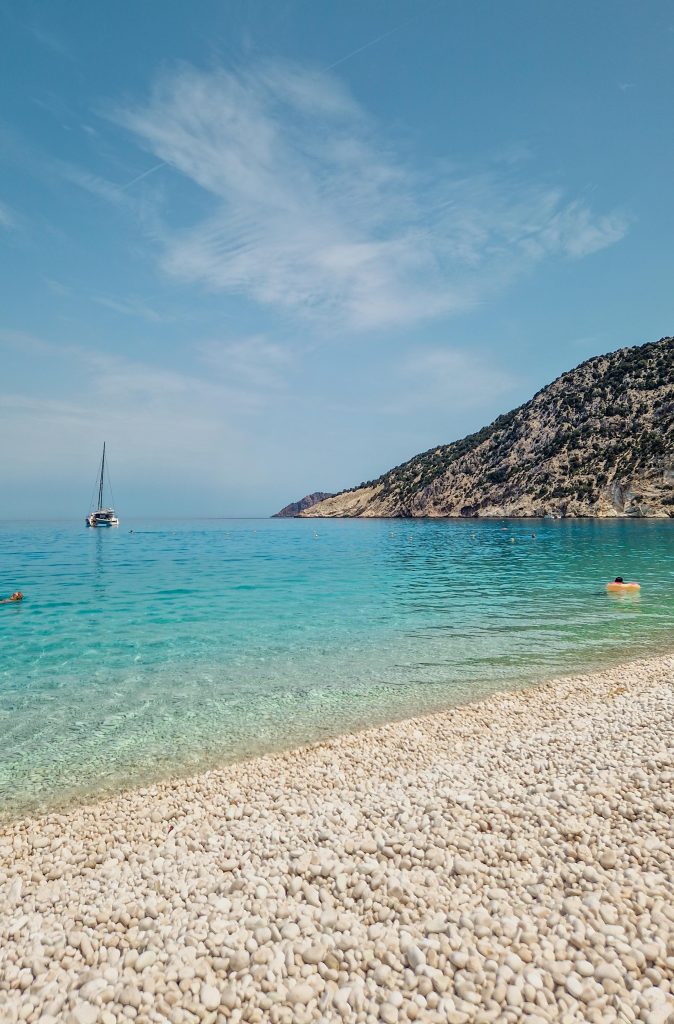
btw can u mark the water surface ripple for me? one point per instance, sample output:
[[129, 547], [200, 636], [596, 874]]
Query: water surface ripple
[[184, 644]]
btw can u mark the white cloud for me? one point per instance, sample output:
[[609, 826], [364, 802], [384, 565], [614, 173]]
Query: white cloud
[[313, 213]]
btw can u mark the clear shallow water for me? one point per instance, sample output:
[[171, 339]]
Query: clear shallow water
[[184, 644]]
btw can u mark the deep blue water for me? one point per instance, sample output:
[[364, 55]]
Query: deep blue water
[[183, 644]]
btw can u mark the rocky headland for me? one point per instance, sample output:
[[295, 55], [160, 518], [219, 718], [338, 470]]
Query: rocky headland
[[293, 510], [597, 442], [507, 861]]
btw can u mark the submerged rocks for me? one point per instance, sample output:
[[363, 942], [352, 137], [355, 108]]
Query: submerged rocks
[[506, 861]]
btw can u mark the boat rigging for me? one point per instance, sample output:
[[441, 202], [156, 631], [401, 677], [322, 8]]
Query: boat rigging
[[102, 515]]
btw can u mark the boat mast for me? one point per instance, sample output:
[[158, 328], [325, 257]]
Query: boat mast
[[100, 486]]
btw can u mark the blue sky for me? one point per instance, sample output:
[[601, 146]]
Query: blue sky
[[265, 248]]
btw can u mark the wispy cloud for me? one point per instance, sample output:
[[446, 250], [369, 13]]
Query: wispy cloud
[[252, 362], [25, 342], [96, 185], [139, 309], [49, 39], [43, 34], [313, 212], [234, 376], [57, 287], [165, 422], [451, 378], [574, 231], [6, 217], [102, 187]]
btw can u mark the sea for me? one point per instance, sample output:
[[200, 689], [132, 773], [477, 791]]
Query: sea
[[165, 647]]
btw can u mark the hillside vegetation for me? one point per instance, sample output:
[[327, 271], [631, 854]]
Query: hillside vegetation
[[598, 441]]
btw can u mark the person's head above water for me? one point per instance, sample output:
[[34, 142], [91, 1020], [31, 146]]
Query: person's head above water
[[618, 579]]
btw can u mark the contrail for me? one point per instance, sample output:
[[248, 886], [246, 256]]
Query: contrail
[[377, 39], [139, 177], [366, 46]]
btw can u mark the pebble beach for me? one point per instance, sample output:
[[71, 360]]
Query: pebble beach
[[509, 860]]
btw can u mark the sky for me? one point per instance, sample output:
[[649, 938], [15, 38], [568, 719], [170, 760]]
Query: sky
[[270, 247]]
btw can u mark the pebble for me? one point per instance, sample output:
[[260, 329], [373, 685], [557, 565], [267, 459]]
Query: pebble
[[414, 957], [146, 959], [314, 954], [84, 1013], [388, 1013], [209, 997], [574, 986], [301, 994]]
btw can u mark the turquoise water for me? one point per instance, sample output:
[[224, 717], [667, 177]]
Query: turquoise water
[[183, 644]]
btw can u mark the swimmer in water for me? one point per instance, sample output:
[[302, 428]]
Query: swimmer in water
[[16, 596]]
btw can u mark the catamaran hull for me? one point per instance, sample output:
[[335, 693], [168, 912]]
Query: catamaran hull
[[97, 523]]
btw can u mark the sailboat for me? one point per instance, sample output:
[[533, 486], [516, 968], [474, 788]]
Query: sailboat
[[102, 516]]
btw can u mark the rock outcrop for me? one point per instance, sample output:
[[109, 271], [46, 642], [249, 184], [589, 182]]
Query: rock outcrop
[[295, 507], [597, 442]]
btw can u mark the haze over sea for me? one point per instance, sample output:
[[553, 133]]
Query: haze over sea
[[141, 654]]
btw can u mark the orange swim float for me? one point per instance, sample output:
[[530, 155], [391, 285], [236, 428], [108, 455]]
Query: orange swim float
[[622, 588]]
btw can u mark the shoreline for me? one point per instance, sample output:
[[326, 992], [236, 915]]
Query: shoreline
[[504, 859], [623, 516], [95, 793]]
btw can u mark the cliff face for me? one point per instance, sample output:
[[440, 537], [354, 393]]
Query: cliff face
[[598, 441], [295, 507]]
